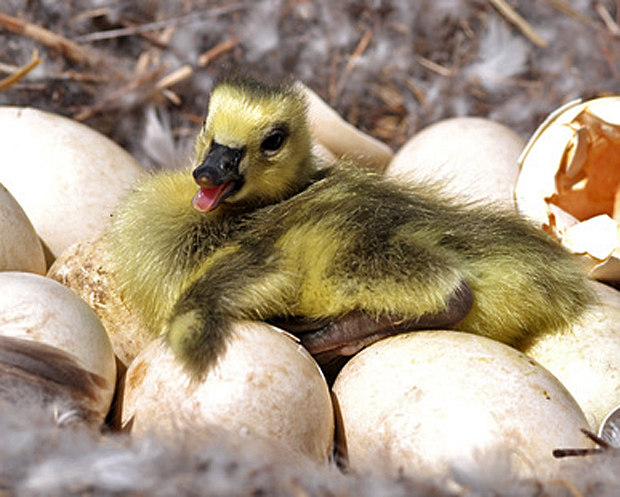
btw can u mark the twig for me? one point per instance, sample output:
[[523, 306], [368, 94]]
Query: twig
[[357, 53], [417, 91], [8, 68], [173, 97], [90, 14], [68, 48], [562, 6], [174, 77], [91, 77], [21, 72], [359, 50], [153, 26], [603, 446], [513, 17], [69, 75], [609, 22], [220, 49], [196, 120], [433, 66], [171, 79], [150, 37], [129, 87]]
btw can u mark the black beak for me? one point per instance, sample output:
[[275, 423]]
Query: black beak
[[220, 166]]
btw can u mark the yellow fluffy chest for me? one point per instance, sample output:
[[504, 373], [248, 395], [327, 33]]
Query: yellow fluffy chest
[[308, 252]]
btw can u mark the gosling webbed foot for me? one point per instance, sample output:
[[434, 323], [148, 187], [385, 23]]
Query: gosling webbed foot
[[345, 336]]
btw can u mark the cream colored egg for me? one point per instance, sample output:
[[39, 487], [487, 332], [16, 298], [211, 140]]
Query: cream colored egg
[[85, 269], [337, 139], [39, 315], [266, 385], [472, 157], [586, 356], [426, 402], [20, 247], [66, 176]]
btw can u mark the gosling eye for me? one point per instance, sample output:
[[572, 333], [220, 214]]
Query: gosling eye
[[274, 141]]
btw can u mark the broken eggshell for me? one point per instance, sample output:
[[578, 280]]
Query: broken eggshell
[[428, 402], [85, 269], [20, 247], [610, 428], [53, 347], [265, 385], [66, 176], [473, 158], [569, 182]]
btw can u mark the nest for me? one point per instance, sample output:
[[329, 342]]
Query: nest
[[140, 72], [389, 68]]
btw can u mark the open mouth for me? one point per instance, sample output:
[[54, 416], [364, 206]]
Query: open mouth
[[209, 197]]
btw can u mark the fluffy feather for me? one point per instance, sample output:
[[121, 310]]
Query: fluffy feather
[[40, 458], [502, 55]]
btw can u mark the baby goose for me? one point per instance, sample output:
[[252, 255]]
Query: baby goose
[[340, 255]]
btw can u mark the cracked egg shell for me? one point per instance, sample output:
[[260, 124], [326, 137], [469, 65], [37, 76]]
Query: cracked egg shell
[[85, 269], [569, 182], [20, 247], [423, 402], [265, 386], [66, 176], [53, 342], [472, 157]]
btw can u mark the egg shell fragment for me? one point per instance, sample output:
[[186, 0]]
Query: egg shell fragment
[[85, 269], [265, 386], [65, 175], [570, 176], [74, 347], [586, 356], [472, 157], [425, 402], [20, 247]]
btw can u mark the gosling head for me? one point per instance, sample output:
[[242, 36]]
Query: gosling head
[[254, 148]]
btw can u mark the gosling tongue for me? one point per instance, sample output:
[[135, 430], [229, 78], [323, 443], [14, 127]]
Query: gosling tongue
[[208, 198]]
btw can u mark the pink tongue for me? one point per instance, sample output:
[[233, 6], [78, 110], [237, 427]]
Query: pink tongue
[[208, 198]]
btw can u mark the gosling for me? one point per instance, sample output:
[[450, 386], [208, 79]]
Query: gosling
[[341, 256]]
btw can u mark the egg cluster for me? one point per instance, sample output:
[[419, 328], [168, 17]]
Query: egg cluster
[[427, 402]]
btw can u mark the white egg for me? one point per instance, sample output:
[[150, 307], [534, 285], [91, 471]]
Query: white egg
[[38, 314], [425, 403], [586, 356], [66, 176], [335, 138], [265, 386], [472, 157], [20, 247], [85, 269]]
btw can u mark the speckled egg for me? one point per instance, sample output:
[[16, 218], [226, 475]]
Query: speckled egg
[[425, 403], [66, 176], [265, 386]]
